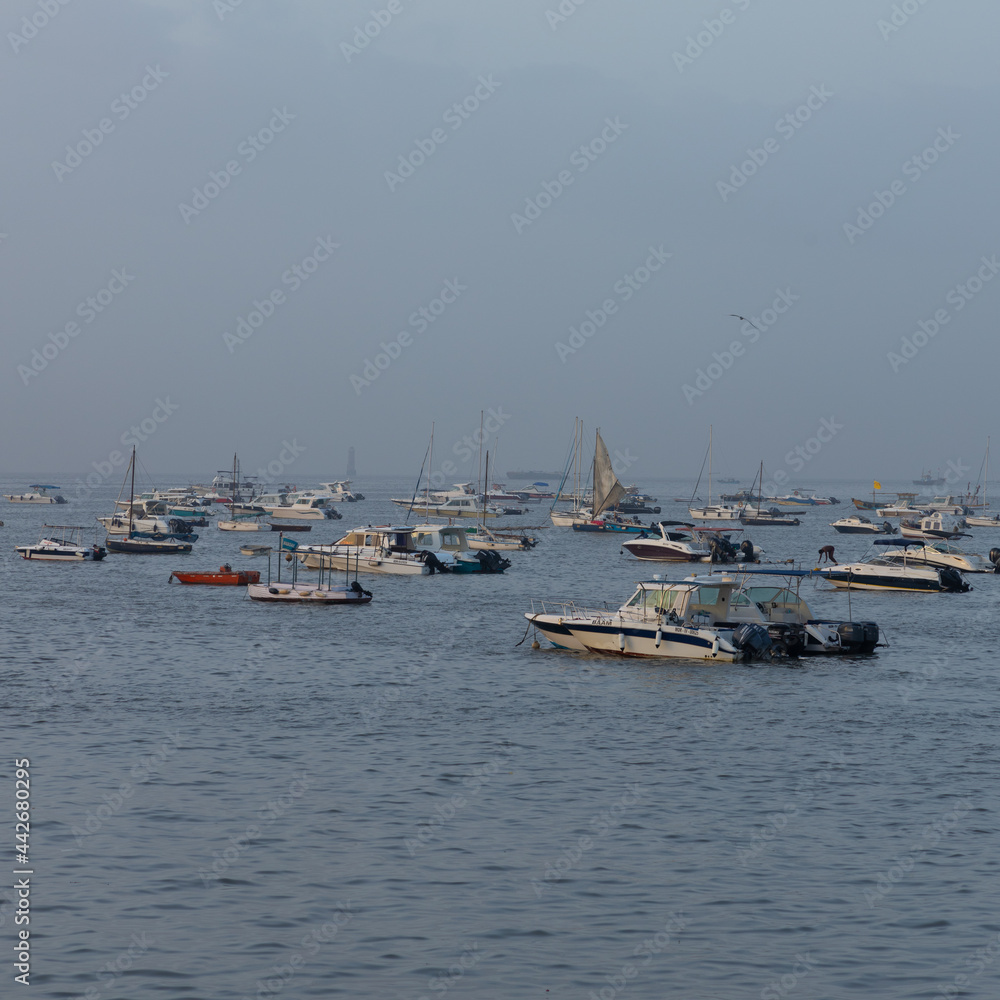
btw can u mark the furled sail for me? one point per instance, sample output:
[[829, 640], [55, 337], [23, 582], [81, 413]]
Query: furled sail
[[607, 490]]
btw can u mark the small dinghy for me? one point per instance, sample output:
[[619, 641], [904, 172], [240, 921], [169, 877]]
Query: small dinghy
[[61, 543], [309, 593], [226, 576], [255, 550]]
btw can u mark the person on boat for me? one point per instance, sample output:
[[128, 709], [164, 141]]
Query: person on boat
[[827, 553]]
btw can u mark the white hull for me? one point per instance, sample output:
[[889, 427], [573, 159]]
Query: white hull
[[292, 514], [238, 526], [30, 498], [305, 593], [721, 513], [606, 635], [974, 521], [60, 553], [567, 518], [350, 558]]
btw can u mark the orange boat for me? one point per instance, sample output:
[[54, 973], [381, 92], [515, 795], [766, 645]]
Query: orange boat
[[225, 577]]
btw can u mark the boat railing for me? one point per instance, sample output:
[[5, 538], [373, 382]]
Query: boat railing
[[570, 609]]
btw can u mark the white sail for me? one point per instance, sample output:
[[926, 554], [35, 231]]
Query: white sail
[[607, 490]]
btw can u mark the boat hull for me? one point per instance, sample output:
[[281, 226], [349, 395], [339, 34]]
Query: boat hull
[[61, 553], [351, 560], [147, 546], [234, 578], [306, 593]]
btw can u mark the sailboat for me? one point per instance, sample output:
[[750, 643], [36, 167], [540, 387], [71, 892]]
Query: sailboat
[[607, 493], [981, 520], [580, 513], [714, 512], [245, 522], [133, 542], [483, 539], [771, 516]]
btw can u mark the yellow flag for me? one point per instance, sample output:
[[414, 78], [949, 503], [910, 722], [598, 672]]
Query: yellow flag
[[877, 485]]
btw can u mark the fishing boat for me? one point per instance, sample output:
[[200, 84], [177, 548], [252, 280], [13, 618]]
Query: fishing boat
[[225, 576], [880, 573], [926, 479], [686, 619], [145, 543], [945, 505], [61, 543], [39, 494], [858, 525]]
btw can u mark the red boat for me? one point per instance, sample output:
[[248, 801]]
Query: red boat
[[225, 577]]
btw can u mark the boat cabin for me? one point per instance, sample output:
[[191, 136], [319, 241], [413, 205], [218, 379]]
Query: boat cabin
[[393, 538]]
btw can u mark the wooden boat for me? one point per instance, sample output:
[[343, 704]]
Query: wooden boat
[[255, 550], [226, 576]]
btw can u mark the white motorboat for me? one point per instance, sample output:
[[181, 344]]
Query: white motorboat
[[981, 521], [339, 491], [679, 542], [933, 526], [943, 553], [382, 549], [856, 524], [308, 593], [456, 504], [881, 573], [450, 544], [39, 494], [483, 539], [535, 492], [302, 506], [567, 518], [680, 619], [242, 524], [905, 506], [62, 543], [946, 505]]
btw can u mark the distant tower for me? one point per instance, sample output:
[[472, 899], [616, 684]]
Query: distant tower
[[351, 471]]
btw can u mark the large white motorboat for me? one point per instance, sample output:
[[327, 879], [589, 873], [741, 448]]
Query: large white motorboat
[[382, 549], [305, 505], [680, 619], [945, 505], [881, 573], [39, 494], [943, 553], [461, 502], [62, 543], [857, 524], [933, 526], [905, 506]]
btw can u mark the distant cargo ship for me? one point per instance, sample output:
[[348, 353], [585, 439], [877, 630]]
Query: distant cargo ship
[[533, 474]]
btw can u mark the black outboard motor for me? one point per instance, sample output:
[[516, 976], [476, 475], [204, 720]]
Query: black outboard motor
[[746, 547], [889, 529], [722, 550], [751, 640], [995, 559], [952, 581], [435, 564], [492, 562]]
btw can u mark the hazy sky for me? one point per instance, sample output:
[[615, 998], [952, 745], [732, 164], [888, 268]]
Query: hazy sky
[[576, 194]]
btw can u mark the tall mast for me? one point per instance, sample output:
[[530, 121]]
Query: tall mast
[[430, 472], [132, 498], [709, 465]]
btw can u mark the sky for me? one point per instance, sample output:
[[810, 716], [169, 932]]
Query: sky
[[284, 229]]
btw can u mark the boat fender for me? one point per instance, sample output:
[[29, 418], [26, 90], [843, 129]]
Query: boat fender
[[272, 590], [621, 641], [715, 646], [659, 636]]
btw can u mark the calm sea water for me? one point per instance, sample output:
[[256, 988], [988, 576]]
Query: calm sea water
[[398, 801]]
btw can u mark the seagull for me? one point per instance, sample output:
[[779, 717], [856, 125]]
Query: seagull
[[745, 320]]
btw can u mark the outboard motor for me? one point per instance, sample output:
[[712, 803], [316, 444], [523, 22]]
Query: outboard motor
[[889, 529], [435, 564], [492, 562], [750, 554], [722, 550], [995, 559], [952, 581], [751, 640]]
